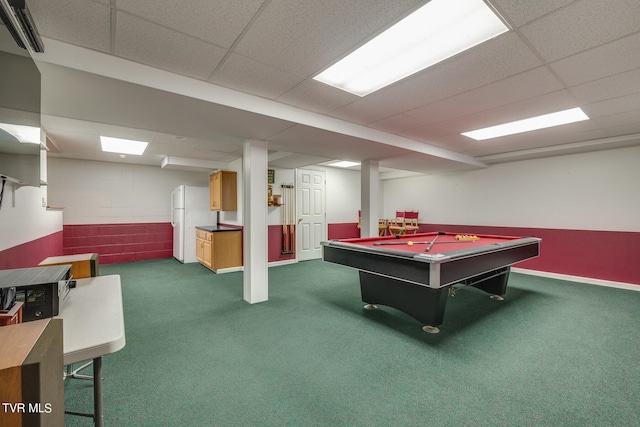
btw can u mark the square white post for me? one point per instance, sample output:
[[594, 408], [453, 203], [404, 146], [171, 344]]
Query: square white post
[[369, 182], [255, 213]]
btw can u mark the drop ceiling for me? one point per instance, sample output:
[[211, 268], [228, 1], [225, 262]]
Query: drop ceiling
[[197, 78]]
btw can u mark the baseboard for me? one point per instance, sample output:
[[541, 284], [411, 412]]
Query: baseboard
[[228, 270], [588, 280], [271, 264], [283, 262]]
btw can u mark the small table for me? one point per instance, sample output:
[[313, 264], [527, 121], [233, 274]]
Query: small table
[[82, 265], [93, 326]]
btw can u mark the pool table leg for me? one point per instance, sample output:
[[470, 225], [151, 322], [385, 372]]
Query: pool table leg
[[494, 282], [424, 304]]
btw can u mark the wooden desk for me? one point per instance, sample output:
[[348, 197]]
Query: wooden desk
[[82, 265], [93, 327]]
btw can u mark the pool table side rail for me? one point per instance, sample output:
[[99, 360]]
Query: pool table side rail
[[435, 257]]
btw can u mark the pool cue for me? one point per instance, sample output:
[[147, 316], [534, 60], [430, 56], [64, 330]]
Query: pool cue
[[419, 243], [292, 243], [284, 219], [440, 233]]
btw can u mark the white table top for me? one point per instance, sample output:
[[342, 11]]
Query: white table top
[[67, 258], [93, 319]]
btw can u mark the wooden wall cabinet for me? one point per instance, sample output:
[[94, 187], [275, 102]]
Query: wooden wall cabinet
[[219, 250], [223, 191], [31, 380]]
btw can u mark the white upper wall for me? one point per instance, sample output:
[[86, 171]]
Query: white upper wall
[[343, 195], [114, 193], [590, 191], [23, 217]]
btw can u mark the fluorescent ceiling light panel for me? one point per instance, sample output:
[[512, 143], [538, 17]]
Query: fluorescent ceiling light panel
[[344, 164], [122, 146], [28, 134], [534, 123], [438, 30]]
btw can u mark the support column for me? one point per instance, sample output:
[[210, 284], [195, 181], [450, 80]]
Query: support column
[[255, 213], [369, 182]]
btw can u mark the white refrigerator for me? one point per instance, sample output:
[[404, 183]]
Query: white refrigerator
[[189, 208]]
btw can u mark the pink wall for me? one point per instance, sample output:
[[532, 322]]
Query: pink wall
[[605, 255], [343, 230], [116, 243], [276, 245], [30, 254]]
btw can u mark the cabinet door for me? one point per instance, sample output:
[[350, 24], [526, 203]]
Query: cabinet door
[[206, 254], [223, 191], [226, 249], [215, 191], [200, 249]]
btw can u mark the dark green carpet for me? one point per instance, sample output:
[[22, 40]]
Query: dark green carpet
[[554, 353]]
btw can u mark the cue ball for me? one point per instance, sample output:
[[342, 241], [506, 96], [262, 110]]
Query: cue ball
[[409, 243]]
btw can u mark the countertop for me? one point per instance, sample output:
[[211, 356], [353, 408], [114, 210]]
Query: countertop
[[216, 228]]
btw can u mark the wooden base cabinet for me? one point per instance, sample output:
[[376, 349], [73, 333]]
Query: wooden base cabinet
[[219, 250]]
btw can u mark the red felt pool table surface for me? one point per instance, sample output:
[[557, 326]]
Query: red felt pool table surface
[[444, 243]]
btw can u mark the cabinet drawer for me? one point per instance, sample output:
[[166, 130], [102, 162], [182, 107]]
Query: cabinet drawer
[[204, 235]]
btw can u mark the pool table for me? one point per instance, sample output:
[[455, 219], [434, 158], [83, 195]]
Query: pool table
[[416, 273]]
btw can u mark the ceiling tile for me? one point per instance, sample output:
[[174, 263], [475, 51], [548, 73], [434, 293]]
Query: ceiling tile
[[396, 124], [306, 36], [608, 87], [362, 112], [436, 135], [522, 12], [79, 22], [315, 96], [629, 121], [151, 44], [526, 85], [493, 60], [612, 58], [216, 21], [249, 76], [620, 105], [582, 25]]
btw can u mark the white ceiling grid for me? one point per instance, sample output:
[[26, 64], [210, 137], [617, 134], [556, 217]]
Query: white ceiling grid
[[559, 54]]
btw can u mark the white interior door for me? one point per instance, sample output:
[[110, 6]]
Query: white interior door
[[310, 207]]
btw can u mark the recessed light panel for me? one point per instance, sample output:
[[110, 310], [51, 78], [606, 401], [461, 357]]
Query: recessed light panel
[[122, 146], [28, 134], [344, 164], [534, 123], [435, 32]]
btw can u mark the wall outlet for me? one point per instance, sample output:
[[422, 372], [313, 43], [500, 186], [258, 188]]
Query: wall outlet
[[44, 203]]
